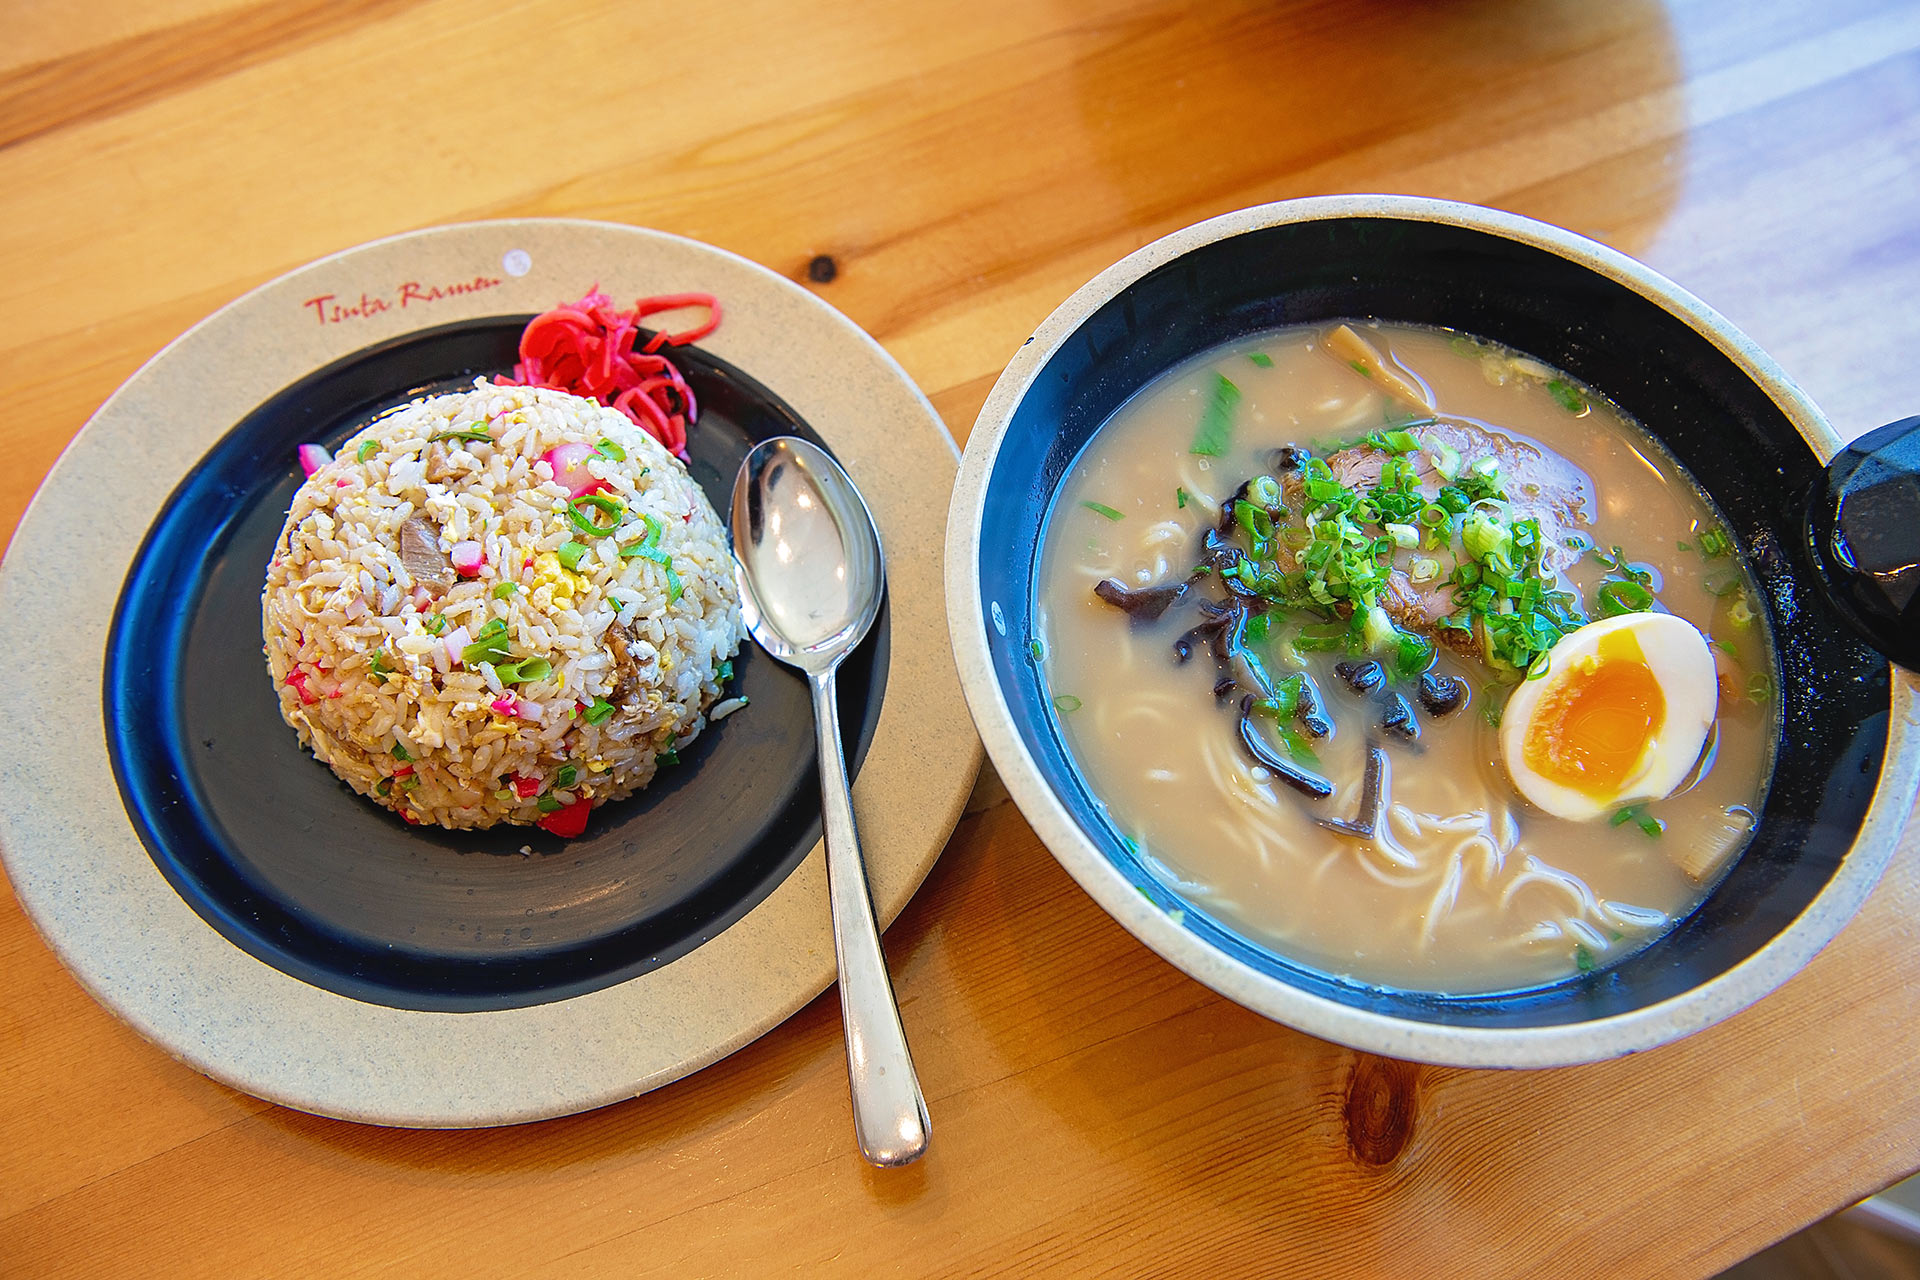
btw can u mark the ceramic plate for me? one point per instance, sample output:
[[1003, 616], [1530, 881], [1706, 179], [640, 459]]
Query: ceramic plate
[[218, 888]]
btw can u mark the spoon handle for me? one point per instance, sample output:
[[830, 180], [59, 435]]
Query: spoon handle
[[889, 1113]]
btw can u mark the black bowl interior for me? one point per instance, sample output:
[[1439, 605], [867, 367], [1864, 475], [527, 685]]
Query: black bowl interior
[[280, 856], [1733, 439]]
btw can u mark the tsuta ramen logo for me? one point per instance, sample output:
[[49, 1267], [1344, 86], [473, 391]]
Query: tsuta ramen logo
[[330, 308]]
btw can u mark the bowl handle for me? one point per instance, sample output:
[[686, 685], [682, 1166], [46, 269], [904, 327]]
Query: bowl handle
[[1864, 523]]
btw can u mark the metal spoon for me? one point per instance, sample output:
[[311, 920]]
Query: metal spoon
[[808, 562]]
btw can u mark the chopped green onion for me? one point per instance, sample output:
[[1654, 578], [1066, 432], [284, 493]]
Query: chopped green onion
[[1480, 480], [1285, 700], [465, 433], [599, 710], [1261, 358], [436, 624], [1394, 441], [1715, 543], [366, 450], [565, 776], [1740, 614], [608, 506], [384, 787], [525, 671], [1582, 958], [649, 546], [1404, 536], [1760, 687], [489, 645], [1102, 509], [1322, 639], [608, 449], [1425, 569], [1445, 459], [1568, 395], [505, 589], [1216, 420], [399, 751], [571, 553], [1484, 534], [725, 673], [378, 666], [668, 756], [1066, 702], [1638, 815], [674, 587], [1180, 498], [1415, 656], [547, 804], [1377, 629], [1617, 598], [1297, 746], [1684, 546], [1257, 627], [1360, 368], [1035, 648]]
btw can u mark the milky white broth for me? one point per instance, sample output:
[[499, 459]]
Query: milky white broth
[[1468, 889]]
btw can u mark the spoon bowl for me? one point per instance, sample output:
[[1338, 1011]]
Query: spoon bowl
[[812, 575], [807, 556]]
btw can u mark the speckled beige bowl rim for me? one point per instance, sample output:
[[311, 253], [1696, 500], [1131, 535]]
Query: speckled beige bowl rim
[[1451, 1045], [95, 895]]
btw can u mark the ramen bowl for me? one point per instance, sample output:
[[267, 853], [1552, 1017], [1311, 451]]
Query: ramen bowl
[[1847, 756]]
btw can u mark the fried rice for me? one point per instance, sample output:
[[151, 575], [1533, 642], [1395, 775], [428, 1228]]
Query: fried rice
[[467, 641]]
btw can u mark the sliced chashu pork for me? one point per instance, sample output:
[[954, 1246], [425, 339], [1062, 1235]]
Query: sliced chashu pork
[[1539, 484]]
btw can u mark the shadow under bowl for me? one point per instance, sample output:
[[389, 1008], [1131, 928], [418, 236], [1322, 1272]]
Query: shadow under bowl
[[1845, 767]]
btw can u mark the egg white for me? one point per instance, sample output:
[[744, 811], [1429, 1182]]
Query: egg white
[[1681, 664]]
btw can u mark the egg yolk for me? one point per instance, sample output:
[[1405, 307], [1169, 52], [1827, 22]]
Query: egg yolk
[[1592, 728]]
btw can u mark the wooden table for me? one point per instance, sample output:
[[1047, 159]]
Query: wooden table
[[964, 167]]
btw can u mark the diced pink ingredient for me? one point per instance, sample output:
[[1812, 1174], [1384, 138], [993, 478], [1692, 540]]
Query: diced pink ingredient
[[312, 458], [569, 463], [467, 557], [421, 598], [456, 645], [527, 787], [297, 680], [507, 705], [341, 484]]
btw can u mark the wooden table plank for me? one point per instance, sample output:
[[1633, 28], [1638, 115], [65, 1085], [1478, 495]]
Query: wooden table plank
[[1095, 1112]]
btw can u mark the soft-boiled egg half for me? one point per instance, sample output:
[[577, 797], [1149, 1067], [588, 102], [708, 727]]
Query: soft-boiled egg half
[[1620, 716]]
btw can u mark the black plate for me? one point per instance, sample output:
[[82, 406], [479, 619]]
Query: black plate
[[1734, 440], [280, 856]]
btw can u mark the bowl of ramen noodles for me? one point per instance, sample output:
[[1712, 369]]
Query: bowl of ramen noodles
[[1402, 616]]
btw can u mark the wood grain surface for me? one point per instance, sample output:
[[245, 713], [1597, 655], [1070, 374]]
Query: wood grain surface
[[965, 166]]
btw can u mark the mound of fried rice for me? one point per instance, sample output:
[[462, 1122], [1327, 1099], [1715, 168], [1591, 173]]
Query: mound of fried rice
[[389, 661]]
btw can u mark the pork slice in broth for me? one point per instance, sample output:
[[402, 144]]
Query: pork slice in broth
[[1540, 484]]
